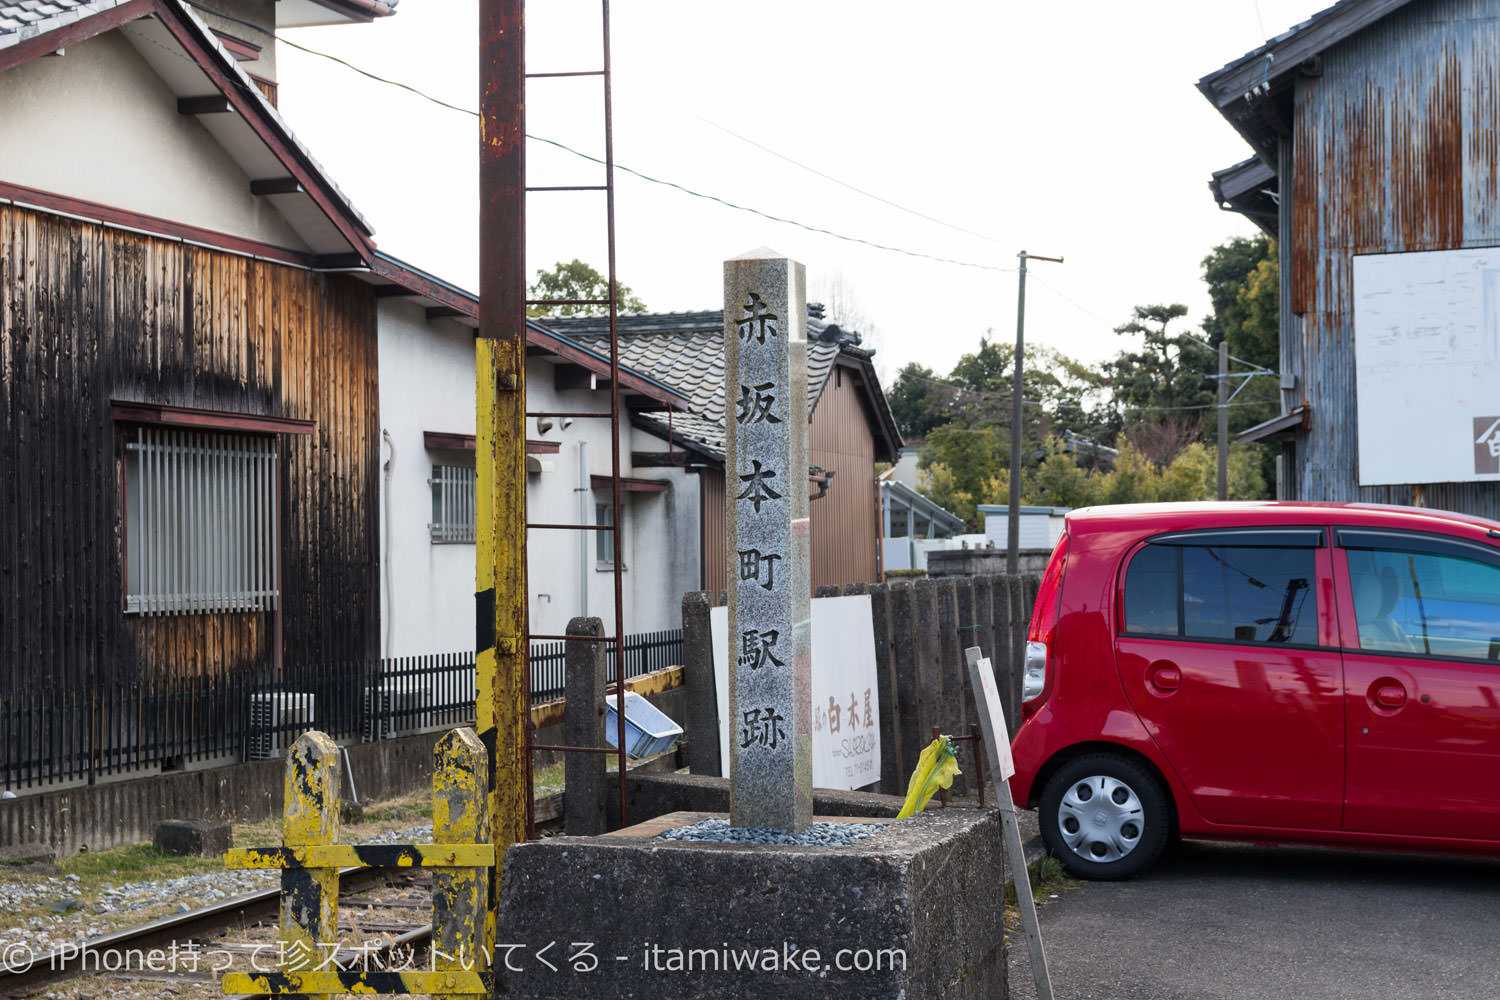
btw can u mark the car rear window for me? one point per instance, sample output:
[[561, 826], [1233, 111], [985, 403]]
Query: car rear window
[[1215, 589]]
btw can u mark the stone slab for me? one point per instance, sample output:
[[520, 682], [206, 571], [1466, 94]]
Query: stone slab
[[202, 838], [635, 918], [28, 854]]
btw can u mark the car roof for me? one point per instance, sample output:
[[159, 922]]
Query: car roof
[[1151, 518]]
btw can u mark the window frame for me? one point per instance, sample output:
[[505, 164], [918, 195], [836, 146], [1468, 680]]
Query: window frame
[[1312, 538], [216, 532], [1396, 540], [454, 510]]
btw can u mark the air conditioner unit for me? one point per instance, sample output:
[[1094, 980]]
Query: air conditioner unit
[[277, 718], [393, 709]]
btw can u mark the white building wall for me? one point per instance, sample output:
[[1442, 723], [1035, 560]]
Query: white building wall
[[97, 123], [1039, 528], [427, 603]]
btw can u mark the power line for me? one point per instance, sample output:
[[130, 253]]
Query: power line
[[656, 180], [829, 177], [1198, 340], [775, 218]]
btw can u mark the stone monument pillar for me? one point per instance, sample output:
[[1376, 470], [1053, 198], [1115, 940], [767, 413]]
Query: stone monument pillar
[[767, 550]]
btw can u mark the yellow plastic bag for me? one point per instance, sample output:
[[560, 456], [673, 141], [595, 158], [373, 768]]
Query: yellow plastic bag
[[935, 769]]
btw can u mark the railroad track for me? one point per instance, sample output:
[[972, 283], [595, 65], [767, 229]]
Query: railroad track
[[385, 928]]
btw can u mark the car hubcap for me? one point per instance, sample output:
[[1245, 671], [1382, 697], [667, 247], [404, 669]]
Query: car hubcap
[[1101, 818]]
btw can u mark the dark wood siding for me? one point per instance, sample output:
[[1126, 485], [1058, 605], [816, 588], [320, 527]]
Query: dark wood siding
[[89, 314]]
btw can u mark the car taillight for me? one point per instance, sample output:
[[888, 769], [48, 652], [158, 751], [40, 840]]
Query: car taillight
[[1043, 627]]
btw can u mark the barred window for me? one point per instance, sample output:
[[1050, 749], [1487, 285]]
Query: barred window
[[453, 505], [200, 522]]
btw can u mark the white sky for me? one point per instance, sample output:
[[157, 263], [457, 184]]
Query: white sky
[[1070, 129]]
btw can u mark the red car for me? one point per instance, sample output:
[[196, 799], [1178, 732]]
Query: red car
[[1282, 672]]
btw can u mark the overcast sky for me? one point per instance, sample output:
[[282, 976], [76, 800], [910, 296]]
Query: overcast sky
[[980, 128]]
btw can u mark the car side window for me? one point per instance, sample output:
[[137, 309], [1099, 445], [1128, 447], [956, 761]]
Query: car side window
[[1221, 591], [1432, 603]]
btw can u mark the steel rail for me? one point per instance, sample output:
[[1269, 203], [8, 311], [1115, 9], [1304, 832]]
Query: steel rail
[[242, 911]]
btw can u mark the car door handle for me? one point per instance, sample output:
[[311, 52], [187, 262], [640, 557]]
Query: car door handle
[[1388, 693], [1164, 675]]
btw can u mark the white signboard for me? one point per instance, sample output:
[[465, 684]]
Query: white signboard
[[1427, 366], [846, 699], [988, 696]]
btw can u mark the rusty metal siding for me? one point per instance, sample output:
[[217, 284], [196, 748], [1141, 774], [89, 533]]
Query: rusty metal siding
[[1395, 150], [844, 534], [89, 314]]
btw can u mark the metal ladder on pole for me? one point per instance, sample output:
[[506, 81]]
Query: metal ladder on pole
[[617, 639]]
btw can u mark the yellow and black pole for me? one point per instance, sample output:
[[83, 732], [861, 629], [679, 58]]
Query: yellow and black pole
[[500, 412]]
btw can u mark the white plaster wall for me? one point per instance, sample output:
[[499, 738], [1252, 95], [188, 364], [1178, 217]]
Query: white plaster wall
[[97, 123], [427, 593], [426, 384]]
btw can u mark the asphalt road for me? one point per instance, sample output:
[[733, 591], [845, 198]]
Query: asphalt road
[[1229, 920]]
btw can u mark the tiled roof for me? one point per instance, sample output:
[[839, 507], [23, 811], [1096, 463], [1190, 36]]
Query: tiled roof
[[22, 19], [686, 352]]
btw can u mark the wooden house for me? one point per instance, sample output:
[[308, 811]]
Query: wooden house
[[188, 378], [850, 429], [1373, 126]]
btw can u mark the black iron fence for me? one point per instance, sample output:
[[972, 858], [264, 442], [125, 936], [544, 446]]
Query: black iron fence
[[169, 724]]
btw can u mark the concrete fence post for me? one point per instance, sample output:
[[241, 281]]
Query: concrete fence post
[[904, 666], [584, 774], [929, 650], [701, 724]]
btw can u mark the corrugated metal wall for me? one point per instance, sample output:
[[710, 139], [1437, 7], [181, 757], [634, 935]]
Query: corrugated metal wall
[[1395, 150], [89, 314]]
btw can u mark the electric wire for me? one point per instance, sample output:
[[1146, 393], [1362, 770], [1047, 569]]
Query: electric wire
[[820, 230]]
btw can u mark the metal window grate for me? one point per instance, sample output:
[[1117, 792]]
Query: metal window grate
[[453, 503], [200, 522]]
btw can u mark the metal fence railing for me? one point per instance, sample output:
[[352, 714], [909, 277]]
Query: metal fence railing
[[72, 735]]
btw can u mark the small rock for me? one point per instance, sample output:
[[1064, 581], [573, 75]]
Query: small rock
[[63, 905], [183, 908]]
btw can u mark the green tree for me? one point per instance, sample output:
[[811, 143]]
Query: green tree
[[919, 401], [961, 464], [1242, 280], [1168, 374], [577, 280]]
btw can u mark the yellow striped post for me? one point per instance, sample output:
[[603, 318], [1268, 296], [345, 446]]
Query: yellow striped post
[[309, 925], [500, 576], [460, 816], [308, 960]]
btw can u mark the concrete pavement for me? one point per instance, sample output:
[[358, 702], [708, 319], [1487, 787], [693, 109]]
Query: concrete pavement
[[1236, 921]]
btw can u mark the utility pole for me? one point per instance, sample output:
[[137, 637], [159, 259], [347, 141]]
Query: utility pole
[[1013, 519], [1224, 419]]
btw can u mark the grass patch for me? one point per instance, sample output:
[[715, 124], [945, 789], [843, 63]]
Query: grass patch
[[408, 809], [550, 776], [133, 863], [1048, 880]]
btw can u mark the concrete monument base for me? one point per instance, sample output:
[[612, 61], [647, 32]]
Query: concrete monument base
[[913, 911]]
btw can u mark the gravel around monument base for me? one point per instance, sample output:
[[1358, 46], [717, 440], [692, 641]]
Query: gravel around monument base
[[820, 834]]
